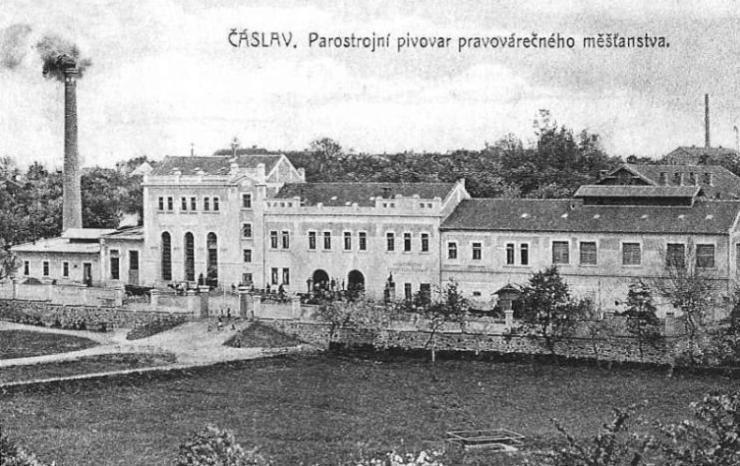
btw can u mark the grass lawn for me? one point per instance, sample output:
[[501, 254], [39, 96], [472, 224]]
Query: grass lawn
[[86, 365], [24, 343], [324, 409], [259, 335]]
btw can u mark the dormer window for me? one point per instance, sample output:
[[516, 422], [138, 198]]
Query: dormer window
[[678, 178], [692, 178], [708, 179], [663, 178]]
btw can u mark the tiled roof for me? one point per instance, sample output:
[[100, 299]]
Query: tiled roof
[[698, 151], [724, 182], [364, 194], [213, 164], [567, 215], [636, 191], [58, 245]]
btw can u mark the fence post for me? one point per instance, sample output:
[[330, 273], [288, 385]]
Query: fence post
[[120, 292], [154, 298], [244, 302], [49, 292], [256, 306], [193, 303], [509, 318], [16, 284], [203, 291], [295, 307]]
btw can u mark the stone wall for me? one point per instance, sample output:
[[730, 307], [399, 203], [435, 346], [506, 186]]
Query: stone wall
[[94, 317], [619, 349]]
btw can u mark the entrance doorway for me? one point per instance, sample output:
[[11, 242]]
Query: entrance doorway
[[133, 267], [355, 282], [87, 273], [320, 280]]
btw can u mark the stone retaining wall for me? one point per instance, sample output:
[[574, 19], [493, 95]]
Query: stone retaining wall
[[619, 349], [94, 317]]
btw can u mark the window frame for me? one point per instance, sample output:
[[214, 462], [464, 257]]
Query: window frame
[[246, 200], [639, 249], [274, 239], [524, 248], [424, 241], [247, 228], [669, 256], [510, 257], [347, 240], [476, 246], [362, 240], [407, 241], [559, 242], [285, 239], [216, 204], [581, 253], [247, 256], [714, 255], [390, 241], [311, 239], [326, 240], [452, 250]]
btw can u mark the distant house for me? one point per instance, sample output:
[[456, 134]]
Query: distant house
[[714, 181], [693, 155]]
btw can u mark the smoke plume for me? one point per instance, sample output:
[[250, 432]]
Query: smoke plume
[[57, 52], [14, 45]]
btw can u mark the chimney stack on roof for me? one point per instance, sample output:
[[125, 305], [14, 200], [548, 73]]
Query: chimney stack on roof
[[706, 121]]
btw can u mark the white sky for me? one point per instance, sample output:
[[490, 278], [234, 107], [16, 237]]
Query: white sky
[[164, 76]]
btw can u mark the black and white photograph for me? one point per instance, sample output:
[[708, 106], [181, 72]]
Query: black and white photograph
[[369, 233]]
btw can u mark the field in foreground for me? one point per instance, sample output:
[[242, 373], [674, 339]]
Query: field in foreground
[[24, 343], [326, 409]]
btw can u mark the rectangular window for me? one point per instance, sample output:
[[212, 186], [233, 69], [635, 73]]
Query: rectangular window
[[160, 203], [407, 294], [390, 239], [183, 203], [631, 254], [560, 252], [524, 254], [26, 268], [114, 264], [675, 255], [247, 200], [285, 237], [206, 203], [363, 241], [193, 203], [274, 239], [246, 230], [170, 203], [477, 251], [286, 276], [65, 269], [247, 255], [215, 204], [274, 275], [452, 250], [705, 256], [347, 240], [588, 252], [46, 268], [247, 278], [311, 240], [510, 253], [425, 242], [407, 242], [327, 240]]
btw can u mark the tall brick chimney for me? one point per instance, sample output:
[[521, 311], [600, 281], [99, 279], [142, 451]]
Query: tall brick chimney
[[72, 197], [706, 121]]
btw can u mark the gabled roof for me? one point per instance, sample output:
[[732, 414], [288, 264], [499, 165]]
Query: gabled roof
[[213, 164], [567, 215], [723, 182], [364, 194], [698, 152], [636, 191], [130, 233]]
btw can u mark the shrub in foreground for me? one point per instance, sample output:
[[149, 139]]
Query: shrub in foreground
[[217, 447], [13, 455]]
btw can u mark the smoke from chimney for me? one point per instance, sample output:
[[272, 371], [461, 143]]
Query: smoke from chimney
[[706, 121]]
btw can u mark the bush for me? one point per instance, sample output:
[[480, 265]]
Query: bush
[[217, 447], [409, 459], [13, 455]]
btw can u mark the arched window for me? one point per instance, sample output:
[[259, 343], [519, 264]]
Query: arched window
[[212, 271], [189, 257], [166, 257]]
